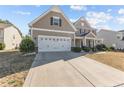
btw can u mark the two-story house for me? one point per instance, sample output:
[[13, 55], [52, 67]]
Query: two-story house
[[53, 31], [10, 36], [112, 38], [85, 34]]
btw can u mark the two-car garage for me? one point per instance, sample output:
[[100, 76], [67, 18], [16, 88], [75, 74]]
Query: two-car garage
[[53, 43]]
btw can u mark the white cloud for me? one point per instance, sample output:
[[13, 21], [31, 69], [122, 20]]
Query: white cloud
[[99, 15], [37, 5], [73, 20], [103, 26], [109, 10], [22, 13], [121, 11], [78, 7], [120, 20], [99, 19]]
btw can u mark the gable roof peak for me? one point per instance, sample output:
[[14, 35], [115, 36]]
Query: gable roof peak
[[82, 18], [56, 8]]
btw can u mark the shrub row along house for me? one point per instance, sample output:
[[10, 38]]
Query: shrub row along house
[[53, 31], [9, 35]]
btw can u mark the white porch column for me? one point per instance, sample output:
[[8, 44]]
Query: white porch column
[[74, 40], [80, 43], [94, 42], [84, 41], [31, 33]]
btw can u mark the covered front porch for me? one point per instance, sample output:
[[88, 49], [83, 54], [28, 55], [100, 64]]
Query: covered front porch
[[87, 41]]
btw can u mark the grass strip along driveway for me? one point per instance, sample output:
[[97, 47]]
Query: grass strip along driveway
[[14, 68]]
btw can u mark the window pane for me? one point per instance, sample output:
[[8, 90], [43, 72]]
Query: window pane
[[55, 20]]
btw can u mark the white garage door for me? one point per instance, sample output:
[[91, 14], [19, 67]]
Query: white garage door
[[53, 43]]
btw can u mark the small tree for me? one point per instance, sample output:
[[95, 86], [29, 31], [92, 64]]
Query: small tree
[[27, 45], [2, 46]]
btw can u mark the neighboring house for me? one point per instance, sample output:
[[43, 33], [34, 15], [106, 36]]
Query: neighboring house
[[10, 36], [85, 34], [112, 38], [121, 35], [53, 31]]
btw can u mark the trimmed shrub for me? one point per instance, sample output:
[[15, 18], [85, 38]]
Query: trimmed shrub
[[2, 46], [86, 49], [109, 49], [76, 49], [112, 48], [101, 47], [27, 45], [94, 49]]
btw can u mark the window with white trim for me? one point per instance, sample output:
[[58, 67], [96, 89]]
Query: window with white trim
[[80, 31], [56, 21]]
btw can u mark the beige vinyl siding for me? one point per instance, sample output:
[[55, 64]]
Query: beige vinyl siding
[[79, 24], [12, 37], [1, 36], [85, 27], [44, 22]]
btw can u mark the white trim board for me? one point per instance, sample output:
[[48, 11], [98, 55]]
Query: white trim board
[[54, 36], [91, 33], [60, 31]]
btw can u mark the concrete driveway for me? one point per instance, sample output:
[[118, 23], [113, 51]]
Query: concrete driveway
[[71, 69]]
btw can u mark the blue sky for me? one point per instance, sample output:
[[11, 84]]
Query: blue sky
[[109, 17]]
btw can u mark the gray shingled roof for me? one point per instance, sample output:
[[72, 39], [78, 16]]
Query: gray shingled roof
[[3, 25], [121, 31], [6, 23]]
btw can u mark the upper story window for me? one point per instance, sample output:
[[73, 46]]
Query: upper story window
[[82, 24], [123, 38], [80, 31], [56, 21]]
